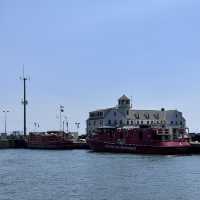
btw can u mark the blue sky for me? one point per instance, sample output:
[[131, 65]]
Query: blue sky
[[85, 54]]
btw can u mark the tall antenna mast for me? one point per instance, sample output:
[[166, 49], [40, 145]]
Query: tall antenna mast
[[131, 101], [24, 101]]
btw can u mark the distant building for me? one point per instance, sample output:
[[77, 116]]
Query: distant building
[[3, 136], [124, 115]]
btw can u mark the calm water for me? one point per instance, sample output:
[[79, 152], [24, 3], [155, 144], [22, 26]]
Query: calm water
[[82, 175]]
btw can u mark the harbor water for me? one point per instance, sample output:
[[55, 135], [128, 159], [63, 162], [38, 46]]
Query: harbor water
[[84, 175]]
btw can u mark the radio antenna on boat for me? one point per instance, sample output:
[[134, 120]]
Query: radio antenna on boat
[[24, 101], [131, 101]]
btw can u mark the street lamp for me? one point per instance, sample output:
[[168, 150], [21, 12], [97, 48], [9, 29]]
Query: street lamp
[[5, 118], [77, 125]]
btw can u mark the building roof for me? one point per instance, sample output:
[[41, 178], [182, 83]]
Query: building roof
[[124, 97], [104, 109]]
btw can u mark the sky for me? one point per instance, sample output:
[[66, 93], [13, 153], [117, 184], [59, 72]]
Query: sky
[[85, 54]]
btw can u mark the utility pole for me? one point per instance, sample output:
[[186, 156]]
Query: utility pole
[[24, 101], [61, 111], [5, 118], [67, 124]]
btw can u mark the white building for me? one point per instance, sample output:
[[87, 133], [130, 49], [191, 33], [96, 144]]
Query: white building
[[124, 115]]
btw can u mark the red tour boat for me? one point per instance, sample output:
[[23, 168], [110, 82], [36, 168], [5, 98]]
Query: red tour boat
[[143, 139], [50, 140]]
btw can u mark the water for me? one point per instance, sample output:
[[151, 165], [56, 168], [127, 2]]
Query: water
[[82, 175]]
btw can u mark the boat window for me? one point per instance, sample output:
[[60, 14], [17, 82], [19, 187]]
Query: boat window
[[167, 137], [140, 135], [174, 131], [158, 137]]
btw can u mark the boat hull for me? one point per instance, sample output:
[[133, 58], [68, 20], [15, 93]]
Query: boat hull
[[50, 146], [195, 148], [138, 149]]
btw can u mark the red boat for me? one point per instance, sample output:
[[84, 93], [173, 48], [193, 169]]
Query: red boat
[[50, 140], [144, 140]]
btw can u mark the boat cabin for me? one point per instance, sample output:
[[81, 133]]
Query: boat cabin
[[140, 134]]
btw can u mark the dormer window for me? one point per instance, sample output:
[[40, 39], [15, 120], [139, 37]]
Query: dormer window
[[137, 116], [156, 116], [146, 115]]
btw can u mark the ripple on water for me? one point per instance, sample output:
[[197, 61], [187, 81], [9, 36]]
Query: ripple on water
[[84, 175]]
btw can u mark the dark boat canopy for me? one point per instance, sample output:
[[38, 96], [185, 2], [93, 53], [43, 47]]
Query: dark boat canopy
[[107, 127]]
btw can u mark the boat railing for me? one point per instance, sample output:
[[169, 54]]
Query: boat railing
[[163, 132]]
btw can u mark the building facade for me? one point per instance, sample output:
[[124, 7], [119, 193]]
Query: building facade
[[123, 115]]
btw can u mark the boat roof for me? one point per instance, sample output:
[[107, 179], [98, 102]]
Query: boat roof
[[107, 127], [55, 132]]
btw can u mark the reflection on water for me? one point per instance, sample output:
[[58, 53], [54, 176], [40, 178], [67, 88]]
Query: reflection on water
[[84, 175]]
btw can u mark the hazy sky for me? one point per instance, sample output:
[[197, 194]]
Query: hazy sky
[[84, 54]]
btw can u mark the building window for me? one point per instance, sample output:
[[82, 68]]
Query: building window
[[120, 122], [138, 122], [115, 122], [94, 123], [151, 122], [127, 112], [141, 122], [115, 114], [147, 122], [156, 116], [109, 122], [137, 116], [172, 122], [127, 122], [146, 115], [131, 122]]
